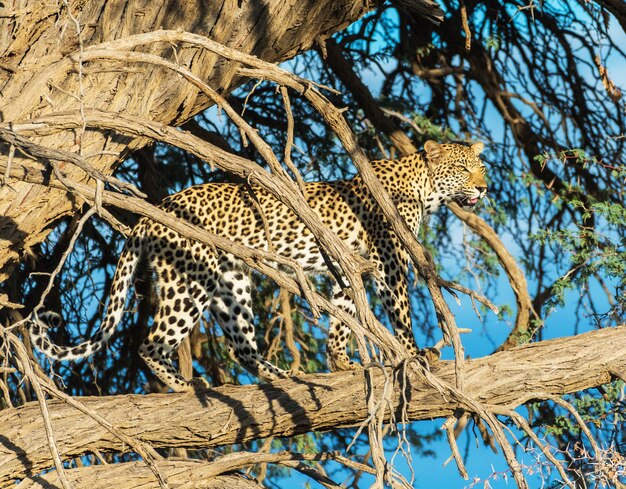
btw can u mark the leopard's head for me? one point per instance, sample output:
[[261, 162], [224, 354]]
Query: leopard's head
[[458, 173]]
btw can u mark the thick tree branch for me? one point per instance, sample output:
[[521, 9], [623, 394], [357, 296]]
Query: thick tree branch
[[180, 474], [189, 474], [232, 414]]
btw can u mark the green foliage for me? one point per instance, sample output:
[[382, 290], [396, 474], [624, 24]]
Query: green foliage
[[594, 245], [603, 415], [493, 43], [429, 130]]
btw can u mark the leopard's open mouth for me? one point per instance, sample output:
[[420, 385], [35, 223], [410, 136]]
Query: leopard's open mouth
[[467, 201]]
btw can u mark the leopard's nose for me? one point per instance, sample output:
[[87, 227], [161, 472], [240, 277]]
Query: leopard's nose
[[482, 190]]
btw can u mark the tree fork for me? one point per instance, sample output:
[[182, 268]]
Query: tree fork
[[319, 402]]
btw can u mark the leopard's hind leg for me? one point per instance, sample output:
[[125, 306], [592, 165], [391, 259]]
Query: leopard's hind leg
[[185, 285], [232, 308]]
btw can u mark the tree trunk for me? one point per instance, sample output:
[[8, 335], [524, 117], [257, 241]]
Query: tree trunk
[[235, 414], [41, 72]]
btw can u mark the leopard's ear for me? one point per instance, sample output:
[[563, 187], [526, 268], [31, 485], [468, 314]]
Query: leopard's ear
[[434, 151], [477, 148]]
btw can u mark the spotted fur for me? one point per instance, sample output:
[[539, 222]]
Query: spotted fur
[[193, 277]]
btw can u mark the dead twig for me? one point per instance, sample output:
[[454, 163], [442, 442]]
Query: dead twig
[[466, 29], [523, 424], [64, 257], [9, 135], [448, 426], [289, 140], [28, 371], [147, 453]]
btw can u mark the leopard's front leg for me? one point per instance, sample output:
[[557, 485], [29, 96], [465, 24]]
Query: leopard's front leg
[[393, 292]]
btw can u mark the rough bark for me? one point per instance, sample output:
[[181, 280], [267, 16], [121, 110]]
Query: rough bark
[[179, 475], [40, 73], [232, 414], [223, 472]]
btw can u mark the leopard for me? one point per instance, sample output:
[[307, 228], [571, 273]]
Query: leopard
[[193, 278]]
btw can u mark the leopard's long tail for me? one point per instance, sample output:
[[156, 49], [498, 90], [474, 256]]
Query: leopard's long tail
[[122, 280]]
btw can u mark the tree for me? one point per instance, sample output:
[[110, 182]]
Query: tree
[[534, 84]]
